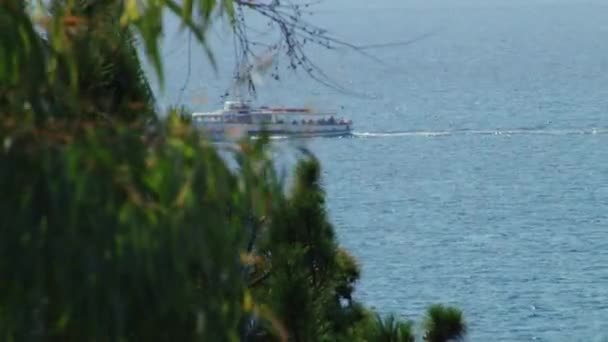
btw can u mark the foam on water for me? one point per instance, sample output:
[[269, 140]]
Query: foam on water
[[507, 132]]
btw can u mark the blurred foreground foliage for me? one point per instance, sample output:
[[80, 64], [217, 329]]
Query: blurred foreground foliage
[[118, 226]]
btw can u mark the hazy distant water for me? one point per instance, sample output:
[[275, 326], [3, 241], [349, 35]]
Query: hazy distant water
[[479, 174]]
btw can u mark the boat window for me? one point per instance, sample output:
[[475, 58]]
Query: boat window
[[263, 118], [243, 119]]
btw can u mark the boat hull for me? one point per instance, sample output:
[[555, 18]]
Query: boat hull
[[236, 131]]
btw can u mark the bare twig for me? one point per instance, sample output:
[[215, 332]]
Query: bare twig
[[188, 70], [294, 33]]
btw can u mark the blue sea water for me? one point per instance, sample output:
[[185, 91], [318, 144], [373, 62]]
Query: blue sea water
[[478, 174]]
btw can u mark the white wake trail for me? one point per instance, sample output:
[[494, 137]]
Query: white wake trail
[[497, 132]]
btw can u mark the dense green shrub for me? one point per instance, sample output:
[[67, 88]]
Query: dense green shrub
[[107, 235]]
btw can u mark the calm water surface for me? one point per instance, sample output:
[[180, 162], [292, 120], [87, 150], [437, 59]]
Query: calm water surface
[[479, 173]]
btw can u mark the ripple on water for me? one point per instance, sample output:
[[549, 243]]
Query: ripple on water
[[509, 231]]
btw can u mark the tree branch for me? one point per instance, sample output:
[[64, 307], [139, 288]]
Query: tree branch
[[259, 279]]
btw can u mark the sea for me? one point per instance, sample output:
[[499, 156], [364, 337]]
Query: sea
[[477, 175]]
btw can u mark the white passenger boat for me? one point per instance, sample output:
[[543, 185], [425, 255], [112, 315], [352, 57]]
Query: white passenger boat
[[239, 119]]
